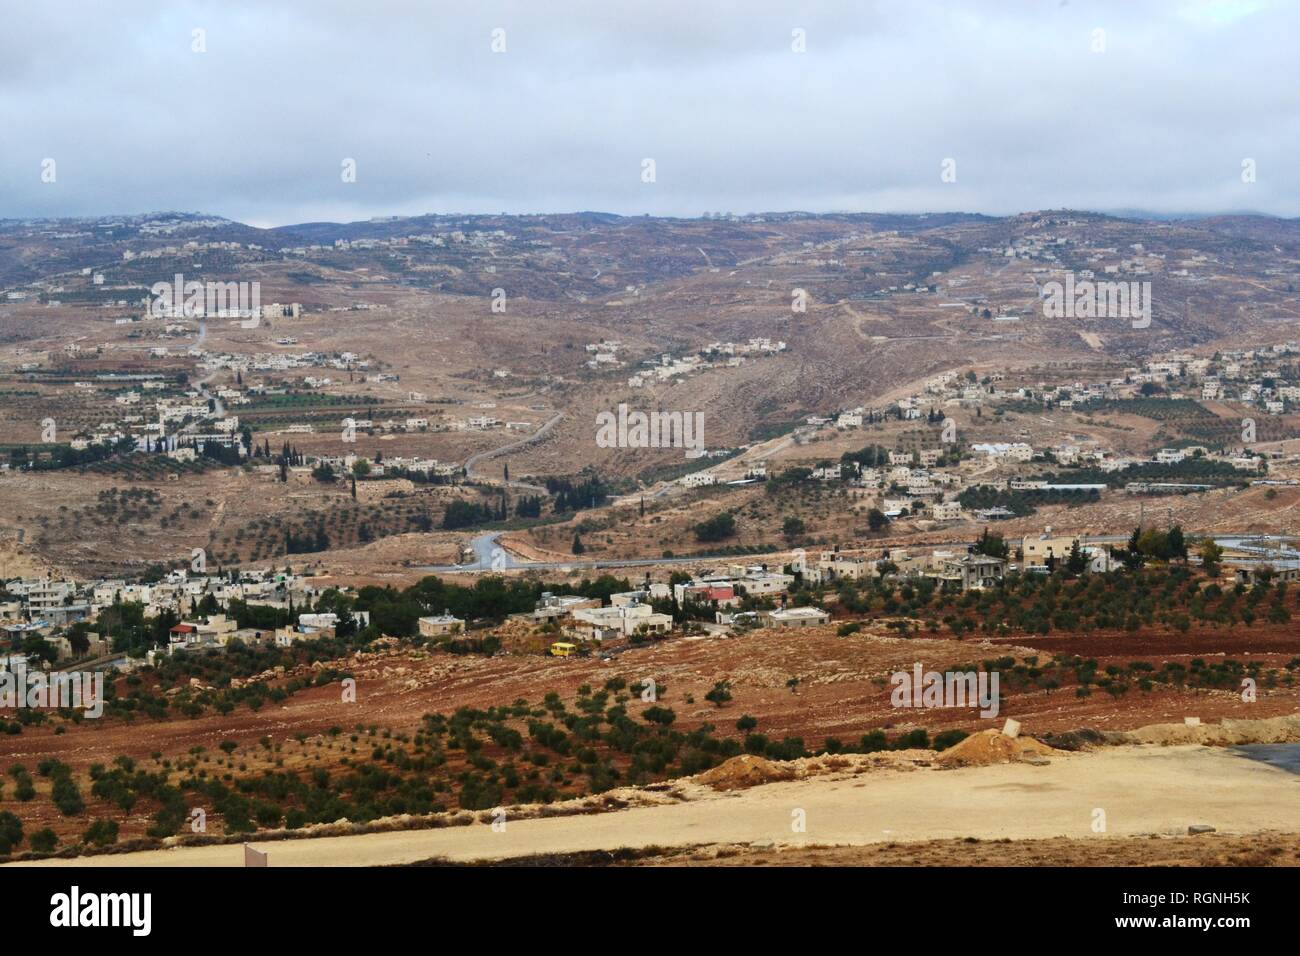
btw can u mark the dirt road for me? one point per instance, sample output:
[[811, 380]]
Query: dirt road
[[1140, 790]]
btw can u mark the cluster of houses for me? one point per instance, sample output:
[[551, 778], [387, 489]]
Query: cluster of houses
[[631, 614], [431, 467], [280, 363], [46, 608], [715, 355], [584, 619], [925, 481], [1048, 246], [489, 240], [217, 631], [155, 422], [964, 569], [417, 424], [159, 418], [1252, 377], [604, 354]]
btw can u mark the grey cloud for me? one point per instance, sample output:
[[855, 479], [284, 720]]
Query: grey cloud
[[256, 128]]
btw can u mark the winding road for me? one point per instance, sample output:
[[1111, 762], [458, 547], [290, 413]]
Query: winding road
[[536, 436], [489, 555]]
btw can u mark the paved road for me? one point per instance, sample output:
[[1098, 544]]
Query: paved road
[[103, 662], [490, 556], [761, 451], [536, 436]]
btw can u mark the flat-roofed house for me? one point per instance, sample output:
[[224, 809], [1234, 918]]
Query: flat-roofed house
[[787, 617], [971, 571], [445, 624], [1037, 549], [618, 620]]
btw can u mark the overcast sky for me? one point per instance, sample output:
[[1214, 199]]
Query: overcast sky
[[257, 127]]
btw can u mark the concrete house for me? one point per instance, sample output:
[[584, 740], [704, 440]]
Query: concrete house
[[794, 617], [441, 625], [971, 571], [1036, 549]]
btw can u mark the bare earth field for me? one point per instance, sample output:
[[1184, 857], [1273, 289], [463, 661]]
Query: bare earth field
[[843, 692], [843, 689], [1144, 792]]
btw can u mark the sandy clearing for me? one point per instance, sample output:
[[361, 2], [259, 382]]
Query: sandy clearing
[[1143, 790]]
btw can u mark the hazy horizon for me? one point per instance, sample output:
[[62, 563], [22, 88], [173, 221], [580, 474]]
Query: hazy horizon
[[1115, 214]]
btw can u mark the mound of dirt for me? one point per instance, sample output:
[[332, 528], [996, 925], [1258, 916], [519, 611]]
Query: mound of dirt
[[1228, 732], [746, 770], [990, 747]]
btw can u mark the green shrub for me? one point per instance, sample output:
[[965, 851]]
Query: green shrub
[[101, 833], [44, 840]]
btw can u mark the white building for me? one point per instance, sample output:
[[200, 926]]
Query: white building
[[622, 620], [1008, 451], [946, 510]]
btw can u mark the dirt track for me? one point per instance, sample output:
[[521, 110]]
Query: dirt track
[[1142, 790]]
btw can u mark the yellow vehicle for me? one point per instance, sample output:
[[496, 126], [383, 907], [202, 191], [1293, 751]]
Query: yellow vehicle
[[563, 649]]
